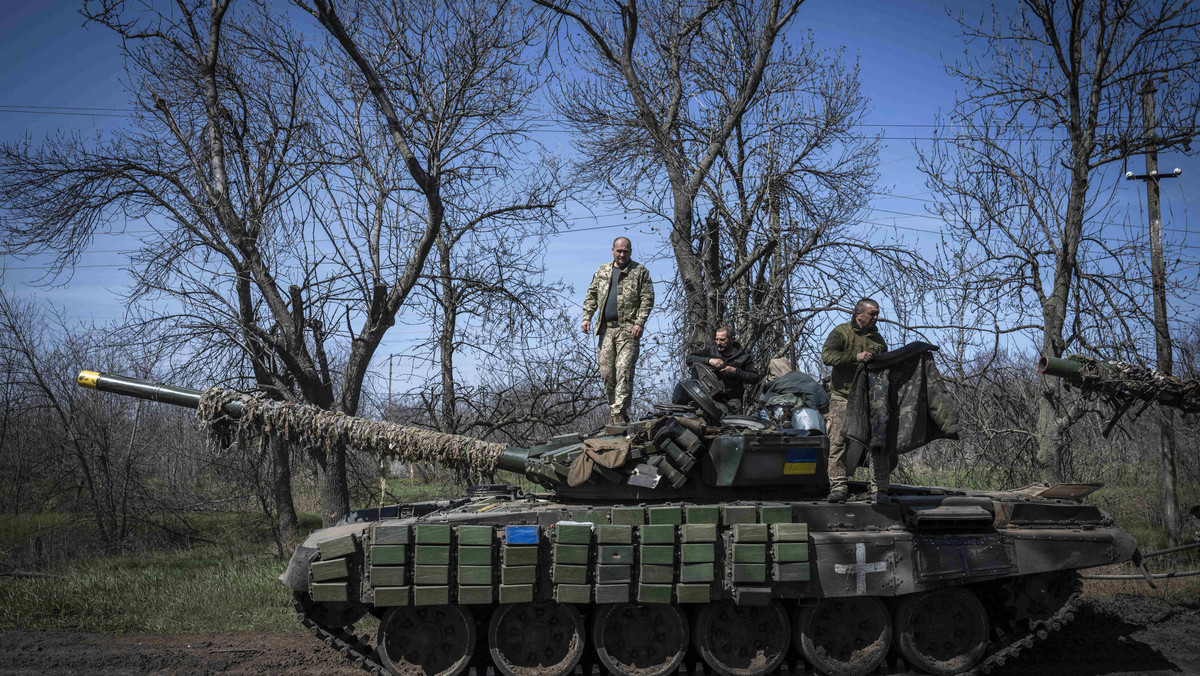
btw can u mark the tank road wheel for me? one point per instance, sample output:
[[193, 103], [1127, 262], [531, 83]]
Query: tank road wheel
[[536, 639], [742, 640], [426, 640], [844, 636], [633, 639], [942, 632]]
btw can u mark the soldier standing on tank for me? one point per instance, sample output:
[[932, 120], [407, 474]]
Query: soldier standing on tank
[[624, 294], [848, 345]]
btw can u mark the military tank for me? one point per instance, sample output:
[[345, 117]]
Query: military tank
[[683, 538]]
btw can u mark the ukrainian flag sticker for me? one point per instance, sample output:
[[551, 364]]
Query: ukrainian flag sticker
[[801, 461]]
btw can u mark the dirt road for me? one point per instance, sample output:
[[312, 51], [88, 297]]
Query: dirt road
[[1117, 636]]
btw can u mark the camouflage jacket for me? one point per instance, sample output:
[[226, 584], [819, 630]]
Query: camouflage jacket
[[635, 295], [899, 403], [841, 350]]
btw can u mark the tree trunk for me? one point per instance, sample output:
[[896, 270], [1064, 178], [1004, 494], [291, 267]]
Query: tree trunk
[[281, 487]]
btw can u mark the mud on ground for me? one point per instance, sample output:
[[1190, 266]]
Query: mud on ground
[[1123, 635]]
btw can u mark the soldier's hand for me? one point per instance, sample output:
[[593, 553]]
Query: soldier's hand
[[586, 325], [865, 356], [636, 332], [716, 363], [729, 369]]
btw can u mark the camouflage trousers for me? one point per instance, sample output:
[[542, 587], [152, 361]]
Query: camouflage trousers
[[881, 463], [617, 354]]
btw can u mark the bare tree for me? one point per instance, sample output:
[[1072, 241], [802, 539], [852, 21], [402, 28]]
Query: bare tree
[[647, 70], [1050, 110]]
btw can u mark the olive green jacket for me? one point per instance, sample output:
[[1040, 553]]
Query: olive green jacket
[[635, 295], [841, 350]]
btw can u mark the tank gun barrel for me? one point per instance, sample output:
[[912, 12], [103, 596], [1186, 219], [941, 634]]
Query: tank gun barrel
[[1123, 381], [150, 391], [255, 416]]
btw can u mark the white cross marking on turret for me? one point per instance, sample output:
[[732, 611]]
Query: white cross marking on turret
[[860, 568]]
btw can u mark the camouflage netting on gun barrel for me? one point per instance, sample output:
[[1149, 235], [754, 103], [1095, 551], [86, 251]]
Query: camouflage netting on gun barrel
[[1122, 380], [312, 427]]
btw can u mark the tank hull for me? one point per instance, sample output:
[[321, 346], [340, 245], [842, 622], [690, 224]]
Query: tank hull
[[1006, 562]]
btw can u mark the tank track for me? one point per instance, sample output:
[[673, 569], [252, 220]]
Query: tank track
[[1039, 631], [359, 652], [356, 650]]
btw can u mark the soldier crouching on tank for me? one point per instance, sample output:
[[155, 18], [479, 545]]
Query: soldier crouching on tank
[[848, 345], [730, 363]]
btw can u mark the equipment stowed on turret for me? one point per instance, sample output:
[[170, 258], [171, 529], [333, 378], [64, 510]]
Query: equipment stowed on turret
[[686, 530]]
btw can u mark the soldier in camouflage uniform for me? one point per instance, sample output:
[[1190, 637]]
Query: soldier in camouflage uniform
[[847, 346], [624, 294]]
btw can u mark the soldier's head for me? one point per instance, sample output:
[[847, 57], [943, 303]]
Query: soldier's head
[[723, 336], [622, 250], [866, 313]]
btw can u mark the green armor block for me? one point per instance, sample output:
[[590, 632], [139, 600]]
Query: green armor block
[[656, 574], [518, 555], [654, 593], [390, 534], [516, 593], [570, 553], [572, 533], [663, 534], [391, 596], [775, 514], [389, 555], [615, 554], [432, 555], [610, 574], [330, 592], [475, 596], [475, 535], [628, 516], [743, 553], [431, 596], [703, 553], [570, 574], [735, 514], [789, 532], [329, 570], [514, 575], [752, 596], [750, 532], [612, 593], [658, 554], [666, 514], [693, 593], [387, 576], [697, 572], [433, 534], [475, 556], [572, 593], [615, 535], [701, 514], [749, 572], [474, 575], [698, 532], [790, 572], [341, 546], [790, 552], [431, 575]]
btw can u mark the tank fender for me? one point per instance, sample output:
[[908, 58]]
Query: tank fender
[[296, 575]]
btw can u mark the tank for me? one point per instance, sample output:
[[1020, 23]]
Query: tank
[[684, 538]]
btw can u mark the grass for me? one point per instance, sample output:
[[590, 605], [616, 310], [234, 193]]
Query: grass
[[207, 588]]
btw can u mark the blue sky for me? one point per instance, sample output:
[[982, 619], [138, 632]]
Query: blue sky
[[56, 74]]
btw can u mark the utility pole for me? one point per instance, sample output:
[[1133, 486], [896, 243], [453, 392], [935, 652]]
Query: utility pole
[[1162, 333]]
